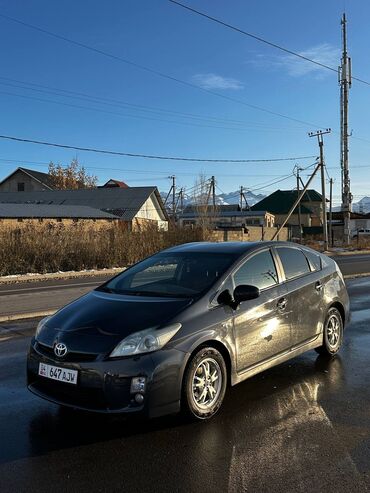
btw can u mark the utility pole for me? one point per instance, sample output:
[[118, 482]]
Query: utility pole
[[331, 214], [213, 190], [298, 169], [243, 196], [297, 201], [182, 199], [345, 77], [173, 195], [319, 134], [172, 191]]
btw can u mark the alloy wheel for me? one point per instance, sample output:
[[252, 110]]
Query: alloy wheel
[[207, 383]]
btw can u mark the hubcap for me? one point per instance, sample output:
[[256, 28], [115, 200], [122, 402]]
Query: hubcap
[[207, 382], [333, 330]]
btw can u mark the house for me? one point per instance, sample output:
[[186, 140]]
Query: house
[[280, 202], [136, 207], [26, 180], [225, 217], [357, 222], [13, 214], [114, 184]]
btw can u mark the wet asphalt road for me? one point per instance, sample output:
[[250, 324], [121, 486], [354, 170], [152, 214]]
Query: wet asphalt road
[[303, 426]]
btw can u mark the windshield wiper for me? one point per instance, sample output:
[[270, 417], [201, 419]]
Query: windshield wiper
[[105, 289], [156, 294]]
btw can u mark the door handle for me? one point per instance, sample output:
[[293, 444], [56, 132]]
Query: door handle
[[281, 304], [318, 286]]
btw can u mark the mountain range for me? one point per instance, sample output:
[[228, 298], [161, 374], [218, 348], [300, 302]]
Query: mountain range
[[362, 206], [224, 198]]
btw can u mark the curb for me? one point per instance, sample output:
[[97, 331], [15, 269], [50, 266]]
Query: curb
[[349, 252], [23, 316], [355, 276], [24, 278]]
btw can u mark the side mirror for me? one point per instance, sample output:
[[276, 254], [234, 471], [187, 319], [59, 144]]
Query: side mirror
[[225, 298], [245, 292]]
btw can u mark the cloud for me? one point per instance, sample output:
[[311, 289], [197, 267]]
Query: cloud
[[214, 81], [296, 67]]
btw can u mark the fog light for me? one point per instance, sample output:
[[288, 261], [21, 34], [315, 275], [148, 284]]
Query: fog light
[[139, 398], [138, 384]]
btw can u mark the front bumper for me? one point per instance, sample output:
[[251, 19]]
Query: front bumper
[[104, 385]]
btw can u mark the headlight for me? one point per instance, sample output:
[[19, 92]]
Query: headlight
[[41, 325], [145, 341]]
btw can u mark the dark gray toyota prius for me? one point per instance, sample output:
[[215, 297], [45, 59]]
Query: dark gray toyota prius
[[171, 332]]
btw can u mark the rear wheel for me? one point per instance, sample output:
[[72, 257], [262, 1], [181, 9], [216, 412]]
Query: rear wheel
[[333, 333], [204, 385]]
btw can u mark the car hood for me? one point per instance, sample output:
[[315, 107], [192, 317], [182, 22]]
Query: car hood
[[96, 322]]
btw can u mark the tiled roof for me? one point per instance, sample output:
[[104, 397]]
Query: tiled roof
[[124, 202], [52, 211], [281, 201]]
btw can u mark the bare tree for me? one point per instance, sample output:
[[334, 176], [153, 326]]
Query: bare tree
[[71, 177], [203, 204]]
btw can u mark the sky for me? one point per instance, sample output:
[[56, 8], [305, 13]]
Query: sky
[[122, 107]]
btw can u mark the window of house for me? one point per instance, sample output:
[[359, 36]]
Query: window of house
[[294, 262], [20, 186], [259, 271]]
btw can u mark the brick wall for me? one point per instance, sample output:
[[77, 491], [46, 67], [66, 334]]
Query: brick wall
[[255, 233]]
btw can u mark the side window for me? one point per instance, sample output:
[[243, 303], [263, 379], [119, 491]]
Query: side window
[[294, 262], [314, 260], [259, 271]]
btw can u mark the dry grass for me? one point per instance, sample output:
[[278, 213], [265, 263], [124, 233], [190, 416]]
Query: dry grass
[[53, 247]]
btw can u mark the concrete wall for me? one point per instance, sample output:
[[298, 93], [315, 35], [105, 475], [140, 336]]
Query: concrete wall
[[293, 220], [255, 233], [30, 184]]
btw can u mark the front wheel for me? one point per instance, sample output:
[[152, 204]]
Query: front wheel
[[333, 333], [205, 382]]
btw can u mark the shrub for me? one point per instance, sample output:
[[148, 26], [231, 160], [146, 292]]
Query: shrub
[[52, 247]]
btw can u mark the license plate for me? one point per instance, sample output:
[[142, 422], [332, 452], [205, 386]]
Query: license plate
[[57, 373]]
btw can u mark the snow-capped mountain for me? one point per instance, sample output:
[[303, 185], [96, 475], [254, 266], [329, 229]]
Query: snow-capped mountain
[[362, 205], [234, 198], [223, 198]]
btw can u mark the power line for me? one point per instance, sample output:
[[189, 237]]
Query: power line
[[44, 164], [138, 107], [140, 117], [150, 156], [155, 72], [262, 40]]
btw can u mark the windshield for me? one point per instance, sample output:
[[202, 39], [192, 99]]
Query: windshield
[[183, 274]]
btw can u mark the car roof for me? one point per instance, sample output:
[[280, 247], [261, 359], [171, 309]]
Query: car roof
[[236, 247]]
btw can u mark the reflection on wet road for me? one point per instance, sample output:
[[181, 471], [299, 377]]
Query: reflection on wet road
[[300, 427]]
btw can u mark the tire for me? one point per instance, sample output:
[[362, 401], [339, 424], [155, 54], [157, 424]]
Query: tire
[[332, 333], [204, 384]]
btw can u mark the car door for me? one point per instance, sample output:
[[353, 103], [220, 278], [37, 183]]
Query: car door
[[304, 292], [262, 325]]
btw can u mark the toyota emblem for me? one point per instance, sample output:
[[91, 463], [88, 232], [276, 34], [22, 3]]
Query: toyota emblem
[[60, 349]]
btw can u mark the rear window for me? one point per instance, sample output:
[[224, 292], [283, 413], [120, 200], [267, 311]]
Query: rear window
[[294, 262], [314, 260]]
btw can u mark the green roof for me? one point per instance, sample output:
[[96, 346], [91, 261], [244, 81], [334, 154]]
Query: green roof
[[281, 201]]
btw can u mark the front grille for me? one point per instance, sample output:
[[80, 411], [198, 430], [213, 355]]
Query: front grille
[[69, 357], [74, 395]]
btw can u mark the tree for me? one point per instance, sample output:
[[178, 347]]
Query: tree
[[206, 213], [71, 177]]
